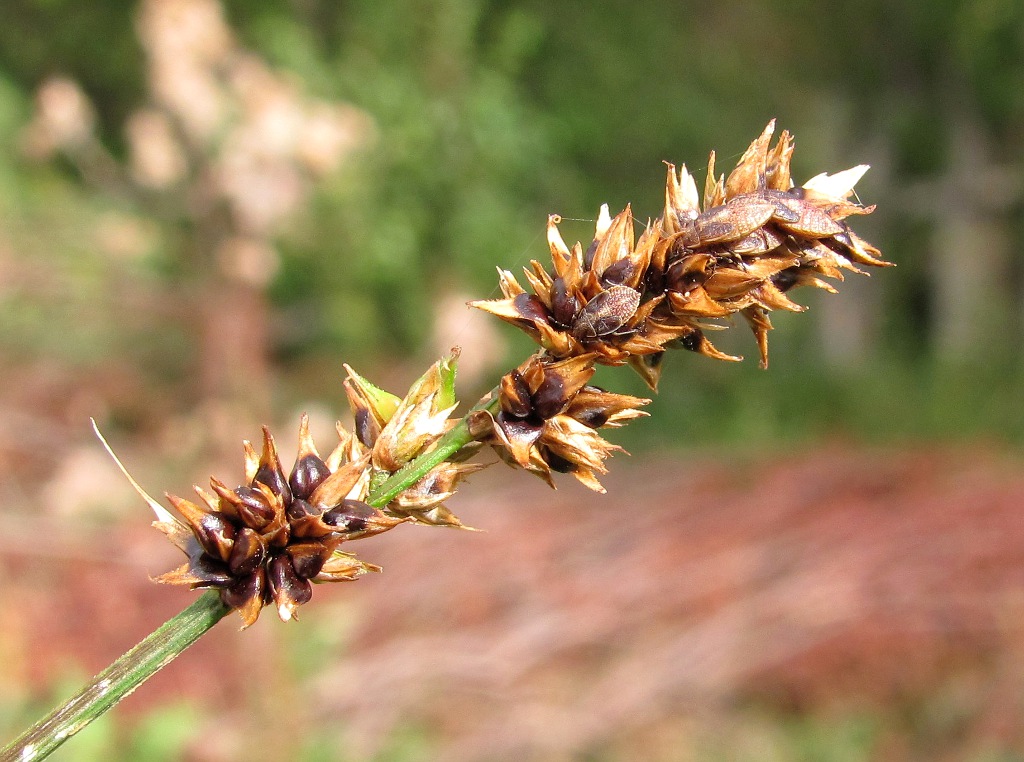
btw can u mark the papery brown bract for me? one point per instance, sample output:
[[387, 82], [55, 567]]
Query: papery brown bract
[[753, 239], [264, 542], [548, 419]]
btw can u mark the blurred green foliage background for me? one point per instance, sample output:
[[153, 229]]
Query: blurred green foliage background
[[476, 120], [207, 206]]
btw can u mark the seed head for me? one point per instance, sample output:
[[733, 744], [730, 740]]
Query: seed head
[[753, 239], [548, 419], [267, 540]]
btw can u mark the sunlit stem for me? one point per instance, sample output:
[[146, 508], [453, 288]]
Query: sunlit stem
[[117, 681], [160, 648]]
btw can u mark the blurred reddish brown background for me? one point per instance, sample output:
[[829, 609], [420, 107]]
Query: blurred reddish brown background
[[206, 206]]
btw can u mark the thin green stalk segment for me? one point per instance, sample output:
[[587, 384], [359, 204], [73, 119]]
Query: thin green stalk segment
[[159, 649], [117, 681], [449, 444]]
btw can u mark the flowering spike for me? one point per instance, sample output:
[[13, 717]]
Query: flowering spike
[[756, 238], [372, 407], [617, 300]]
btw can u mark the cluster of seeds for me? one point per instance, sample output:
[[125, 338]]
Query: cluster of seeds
[[620, 301], [267, 540], [626, 300]]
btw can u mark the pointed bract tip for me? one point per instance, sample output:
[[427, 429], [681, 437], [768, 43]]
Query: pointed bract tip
[[162, 514]]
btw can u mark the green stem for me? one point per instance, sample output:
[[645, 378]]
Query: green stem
[[449, 444], [117, 681], [159, 649]]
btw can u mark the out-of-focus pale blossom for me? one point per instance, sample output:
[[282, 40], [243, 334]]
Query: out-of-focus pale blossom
[[248, 260], [63, 120], [329, 133], [125, 236], [238, 144], [192, 95], [184, 29], [270, 107], [157, 159], [185, 42], [257, 141], [261, 193]]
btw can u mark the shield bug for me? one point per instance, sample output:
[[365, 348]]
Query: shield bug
[[606, 313]]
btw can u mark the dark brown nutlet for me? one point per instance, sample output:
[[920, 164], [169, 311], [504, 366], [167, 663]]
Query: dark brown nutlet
[[287, 588], [350, 516], [264, 541], [247, 553], [308, 473]]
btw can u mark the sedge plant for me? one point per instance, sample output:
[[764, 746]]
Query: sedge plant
[[740, 247]]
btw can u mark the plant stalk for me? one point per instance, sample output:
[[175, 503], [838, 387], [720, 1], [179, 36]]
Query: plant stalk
[[453, 440], [117, 681], [174, 636]]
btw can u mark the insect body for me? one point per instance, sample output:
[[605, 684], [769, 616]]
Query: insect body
[[606, 313]]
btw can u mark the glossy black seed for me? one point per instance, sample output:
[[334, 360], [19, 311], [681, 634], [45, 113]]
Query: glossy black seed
[[530, 308], [550, 399], [654, 281], [588, 256], [308, 473], [300, 508], [308, 559], [564, 305], [255, 510], [786, 279], [618, 273], [692, 340], [558, 463], [243, 591], [285, 585], [366, 427], [214, 532], [593, 417], [681, 279], [211, 571], [523, 430], [247, 554], [275, 479], [350, 516], [515, 397]]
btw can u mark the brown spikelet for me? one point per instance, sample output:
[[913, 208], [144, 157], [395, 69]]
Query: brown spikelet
[[548, 419], [756, 238], [265, 541]]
